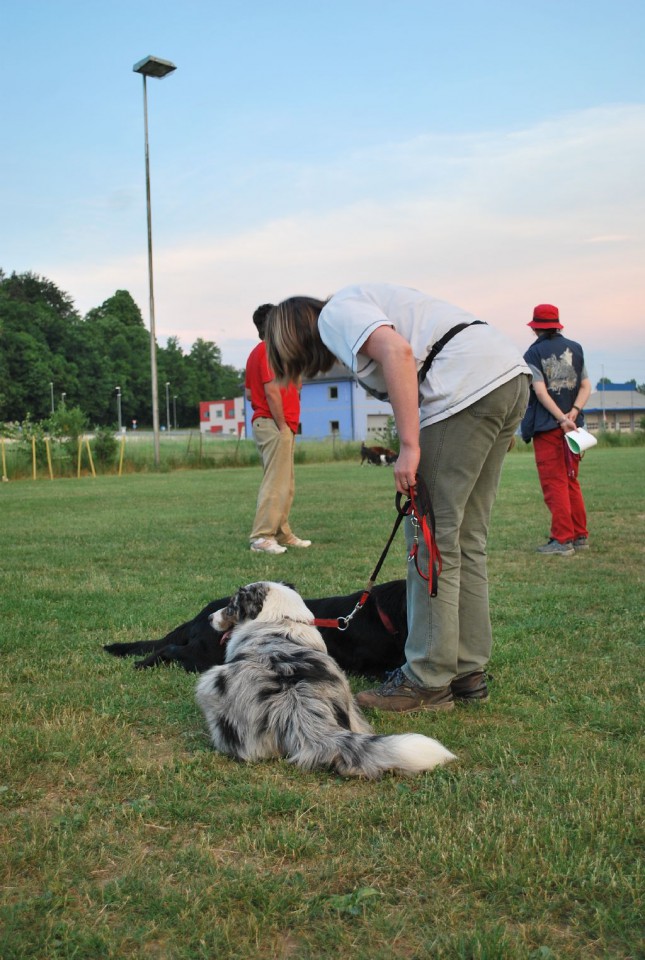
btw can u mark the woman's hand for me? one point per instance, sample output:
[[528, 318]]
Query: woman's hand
[[394, 354], [406, 467]]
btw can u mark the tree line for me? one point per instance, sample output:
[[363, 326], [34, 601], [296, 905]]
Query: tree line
[[51, 356]]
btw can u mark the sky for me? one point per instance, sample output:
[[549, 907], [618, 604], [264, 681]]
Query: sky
[[488, 153]]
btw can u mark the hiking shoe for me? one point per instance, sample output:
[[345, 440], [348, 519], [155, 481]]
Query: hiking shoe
[[267, 545], [471, 687], [580, 543], [295, 542], [556, 549], [400, 695]]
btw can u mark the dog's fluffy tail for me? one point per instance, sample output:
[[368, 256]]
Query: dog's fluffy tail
[[371, 755]]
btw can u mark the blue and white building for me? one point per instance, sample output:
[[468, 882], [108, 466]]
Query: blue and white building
[[334, 405]]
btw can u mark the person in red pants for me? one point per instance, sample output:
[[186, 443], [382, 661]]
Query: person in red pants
[[559, 392]]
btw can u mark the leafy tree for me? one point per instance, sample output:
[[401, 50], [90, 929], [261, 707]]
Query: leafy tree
[[121, 359], [37, 329], [173, 368], [47, 350]]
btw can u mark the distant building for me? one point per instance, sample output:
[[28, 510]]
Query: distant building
[[615, 406], [222, 417], [334, 405]]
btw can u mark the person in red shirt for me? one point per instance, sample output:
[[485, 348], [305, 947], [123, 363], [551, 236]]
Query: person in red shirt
[[276, 414]]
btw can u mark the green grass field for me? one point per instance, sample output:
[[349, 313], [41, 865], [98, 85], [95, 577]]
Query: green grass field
[[124, 835]]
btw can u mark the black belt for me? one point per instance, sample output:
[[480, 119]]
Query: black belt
[[440, 344]]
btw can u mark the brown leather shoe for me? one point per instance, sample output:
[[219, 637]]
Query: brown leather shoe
[[472, 686], [400, 695]]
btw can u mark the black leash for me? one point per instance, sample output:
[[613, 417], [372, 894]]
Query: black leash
[[419, 507]]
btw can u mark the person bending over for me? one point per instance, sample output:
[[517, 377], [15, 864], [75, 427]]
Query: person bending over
[[455, 419]]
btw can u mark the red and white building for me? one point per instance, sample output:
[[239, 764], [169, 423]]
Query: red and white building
[[222, 417]]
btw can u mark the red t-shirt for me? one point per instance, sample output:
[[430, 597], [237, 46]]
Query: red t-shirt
[[258, 373]]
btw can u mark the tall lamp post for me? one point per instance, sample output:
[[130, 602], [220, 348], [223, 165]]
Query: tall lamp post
[[167, 406], [118, 406], [152, 67], [174, 410], [51, 390]]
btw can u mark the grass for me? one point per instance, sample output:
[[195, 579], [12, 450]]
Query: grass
[[125, 836]]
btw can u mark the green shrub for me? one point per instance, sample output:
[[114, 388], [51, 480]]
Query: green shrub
[[67, 425], [104, 445], [388, 437]]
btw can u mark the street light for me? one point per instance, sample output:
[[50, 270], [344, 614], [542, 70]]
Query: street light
[[174, 410], [167, 407], [152, 67], [118, 405], [62, 399], [51, 390]]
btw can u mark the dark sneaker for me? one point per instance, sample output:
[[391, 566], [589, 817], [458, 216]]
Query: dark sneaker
[[580, 543], [556, 549], [471, 687], [400, 695]]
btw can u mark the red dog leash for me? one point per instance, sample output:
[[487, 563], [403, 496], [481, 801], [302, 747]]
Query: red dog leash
[[419, 507]]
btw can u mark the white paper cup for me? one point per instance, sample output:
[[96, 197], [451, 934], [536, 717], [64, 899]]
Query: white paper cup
[[580, 440]]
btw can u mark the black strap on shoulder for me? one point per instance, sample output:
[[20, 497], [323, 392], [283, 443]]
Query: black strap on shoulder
[[440, 344]]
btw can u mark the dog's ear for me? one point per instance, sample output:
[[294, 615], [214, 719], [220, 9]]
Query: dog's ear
[[291, 586], [250, 600]]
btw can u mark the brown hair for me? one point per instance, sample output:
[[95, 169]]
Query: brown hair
[[294, 346], [260, 318]]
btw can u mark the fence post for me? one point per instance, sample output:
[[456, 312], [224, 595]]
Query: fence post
[[4, 461], [49, 458], [89, 454]]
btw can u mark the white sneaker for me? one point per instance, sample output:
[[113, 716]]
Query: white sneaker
[[267, 545], [296, 542]]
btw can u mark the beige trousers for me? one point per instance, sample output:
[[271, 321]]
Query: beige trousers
[[450, 635], [276, 448]]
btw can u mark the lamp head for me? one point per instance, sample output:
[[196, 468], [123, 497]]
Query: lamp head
[[154, 67]]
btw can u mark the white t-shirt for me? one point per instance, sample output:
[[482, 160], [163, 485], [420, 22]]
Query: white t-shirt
[[471, 364]]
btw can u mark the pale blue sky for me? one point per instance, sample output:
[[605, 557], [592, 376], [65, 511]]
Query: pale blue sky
[[490, 153]]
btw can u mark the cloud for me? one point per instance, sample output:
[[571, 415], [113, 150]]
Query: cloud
[[495, 221]]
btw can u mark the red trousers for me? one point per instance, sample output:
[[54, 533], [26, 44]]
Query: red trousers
[[558, 475]]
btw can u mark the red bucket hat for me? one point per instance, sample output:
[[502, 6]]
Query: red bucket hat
[[546, 317]]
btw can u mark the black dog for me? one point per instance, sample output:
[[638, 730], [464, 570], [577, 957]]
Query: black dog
[[372, 644]]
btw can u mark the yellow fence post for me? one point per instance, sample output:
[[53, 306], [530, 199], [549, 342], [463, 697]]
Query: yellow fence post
[[89, 454], [121, 455], [33, 458], [4, 461], [78, 463], [49, 458]]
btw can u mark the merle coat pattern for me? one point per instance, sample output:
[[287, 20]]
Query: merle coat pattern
[[372, 645], [280, 694]]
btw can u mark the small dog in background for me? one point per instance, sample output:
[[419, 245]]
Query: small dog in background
[[280, 694], [377, 455]]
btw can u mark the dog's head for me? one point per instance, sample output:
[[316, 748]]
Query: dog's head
[[266, 601]]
